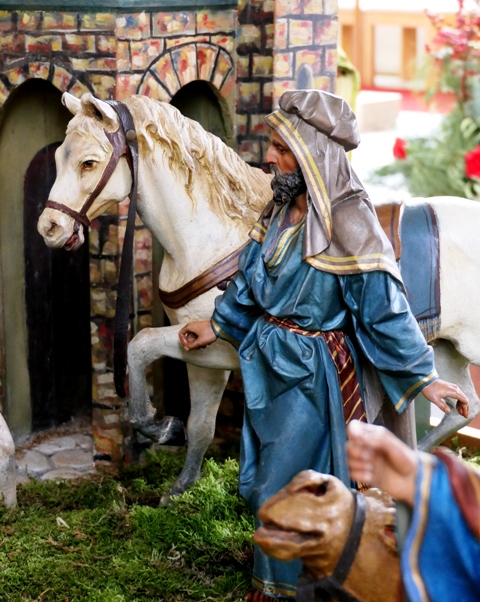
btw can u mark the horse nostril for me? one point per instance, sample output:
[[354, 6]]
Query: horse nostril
[[52, 228]]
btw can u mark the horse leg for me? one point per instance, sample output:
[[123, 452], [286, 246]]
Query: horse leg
[[206, 389], [451, 366], [149, 345]]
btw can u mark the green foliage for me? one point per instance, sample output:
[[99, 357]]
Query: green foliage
[[97, 540]]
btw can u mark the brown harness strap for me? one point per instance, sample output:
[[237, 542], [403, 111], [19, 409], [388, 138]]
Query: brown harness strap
[[202, 283]]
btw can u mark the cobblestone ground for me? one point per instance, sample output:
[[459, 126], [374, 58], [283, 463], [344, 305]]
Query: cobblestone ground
[[65, 452]]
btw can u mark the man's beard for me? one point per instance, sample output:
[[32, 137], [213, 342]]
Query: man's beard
[[287, 186]]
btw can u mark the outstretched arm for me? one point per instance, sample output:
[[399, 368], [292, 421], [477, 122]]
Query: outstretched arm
[[197, 335], [439, 389]]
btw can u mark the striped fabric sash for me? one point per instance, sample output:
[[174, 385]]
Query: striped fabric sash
[[353, 408]]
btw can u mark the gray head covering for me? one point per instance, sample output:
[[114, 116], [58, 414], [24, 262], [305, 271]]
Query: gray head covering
[[342, 232]]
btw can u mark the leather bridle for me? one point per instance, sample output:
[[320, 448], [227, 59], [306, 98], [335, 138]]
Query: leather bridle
[[124, 144], [331, 587]]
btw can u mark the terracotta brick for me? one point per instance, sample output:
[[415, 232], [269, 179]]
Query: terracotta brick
[[133, 26], [27, 20], [212, 21], [107, 44], [300, 33], [184, 61], [223, 67], [166, 74], [288, 7], [40, 70], [103, 64], [78, 89], [206, 56], [103, 86], [249, 36], [171, 43], [248, 95], [151, 87], [61, 78], [250, 151], [77, 43], [283, 64], [281, 34], [98, 22], [242, 125], [143, 53], [13, 43], [326, 32], [123, 56], [225, 42], [174, 23], [59, 21], [330, 7], [313, 7], [262, 66], [44, 44], [243, 66]]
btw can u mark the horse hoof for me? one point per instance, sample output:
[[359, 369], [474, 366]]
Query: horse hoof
[[169, 431]]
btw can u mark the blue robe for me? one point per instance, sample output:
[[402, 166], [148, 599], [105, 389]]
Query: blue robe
[[294, 415], [440, 558]]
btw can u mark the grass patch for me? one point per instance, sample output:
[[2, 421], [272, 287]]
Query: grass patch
[[103, 539]]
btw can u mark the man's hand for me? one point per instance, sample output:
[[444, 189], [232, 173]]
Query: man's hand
[[436, 391], [197, 335]]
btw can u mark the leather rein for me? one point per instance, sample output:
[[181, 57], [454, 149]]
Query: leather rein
[[331, 587], [124, 143]]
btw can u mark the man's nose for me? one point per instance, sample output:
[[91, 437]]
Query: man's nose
[[270, 157]]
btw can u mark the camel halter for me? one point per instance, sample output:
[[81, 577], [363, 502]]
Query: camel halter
[[331, 587], [124, 143]]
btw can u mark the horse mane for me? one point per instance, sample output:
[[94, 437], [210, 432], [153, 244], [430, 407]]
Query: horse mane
[[235, 189]]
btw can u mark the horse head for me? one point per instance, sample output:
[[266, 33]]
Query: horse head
[[311, 518], [90, 177]]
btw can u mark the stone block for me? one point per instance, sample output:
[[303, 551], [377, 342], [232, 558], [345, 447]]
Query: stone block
[[95, 272], [144, 52], [326, 32], [268, 6], [109, 271], [330, 7], [331, 60], [269, 35], [243, 66], [267, 97], [262, 65], [107, 44], [248, 95], [215, 21], [250, 151], [3, 95], [16, 76], [288, 7], [133, 26], [127, 85], [165, 72], [228, 84], [55, 445], [227, 42], [43, 44], [281, 34], [174, 23], [80, 64], [184, 61], [123, 57], [61, 474], [111, 303], [206, 56], [300, 33], [27, 20], [103, 86], [78, 89], [12, 43], [73, 459], [312, 58], [8, 484], [61, 78], [223, 67], [313, 7], [242, 125], [98, 302], [279, 87], [77, 43], [84, 442], [172, 42], [258, 125], [59, 21], [144, 292], [249, 37], [94, 239], [145, 320], [39, 69], [32, 463], [323, 82], [98, 22], [283, 64], [102, 64]]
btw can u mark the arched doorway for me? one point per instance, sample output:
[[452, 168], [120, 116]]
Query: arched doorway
[[32, 119], [200, 101]]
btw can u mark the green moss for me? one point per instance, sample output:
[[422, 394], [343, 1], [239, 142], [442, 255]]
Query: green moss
[[104, 539]]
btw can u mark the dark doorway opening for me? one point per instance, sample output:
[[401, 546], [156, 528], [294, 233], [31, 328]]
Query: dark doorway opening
[[58, 310]]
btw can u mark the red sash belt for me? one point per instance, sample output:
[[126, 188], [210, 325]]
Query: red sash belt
[[353, 408]]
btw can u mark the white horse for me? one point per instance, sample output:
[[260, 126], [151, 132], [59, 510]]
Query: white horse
[[199, 200]]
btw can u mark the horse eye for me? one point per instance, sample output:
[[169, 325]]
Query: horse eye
[[86, 165]]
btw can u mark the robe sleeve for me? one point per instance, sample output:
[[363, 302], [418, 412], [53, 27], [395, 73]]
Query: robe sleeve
[[389, 335], [236, 310]]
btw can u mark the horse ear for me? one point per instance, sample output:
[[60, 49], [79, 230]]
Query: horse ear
[[72, 103], [101, 110]]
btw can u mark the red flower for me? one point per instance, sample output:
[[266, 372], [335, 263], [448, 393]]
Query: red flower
[[472, 163], [400, 149]]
